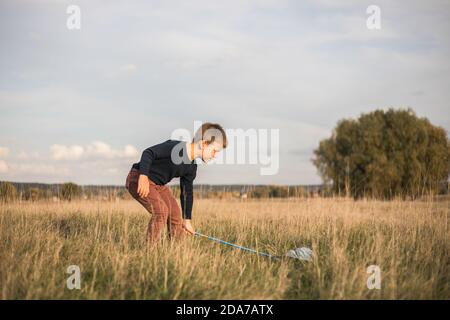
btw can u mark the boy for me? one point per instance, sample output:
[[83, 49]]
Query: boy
[[147, 179]]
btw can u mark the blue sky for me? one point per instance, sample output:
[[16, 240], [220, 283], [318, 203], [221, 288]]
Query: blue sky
[[81, 105]]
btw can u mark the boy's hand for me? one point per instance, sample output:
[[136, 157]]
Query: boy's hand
[[143, 186], [188, 226]]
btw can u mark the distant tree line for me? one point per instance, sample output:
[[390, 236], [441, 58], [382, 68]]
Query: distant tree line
[[69, 191], [385, 154]]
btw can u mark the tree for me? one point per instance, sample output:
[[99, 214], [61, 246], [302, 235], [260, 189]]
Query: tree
[[8, 192], [385, 154], [33, 194], [70, 191]]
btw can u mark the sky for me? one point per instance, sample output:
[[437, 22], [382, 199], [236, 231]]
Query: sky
[[82, 104]]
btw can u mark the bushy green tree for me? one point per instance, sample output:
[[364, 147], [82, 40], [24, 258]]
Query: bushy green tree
[[70, 191], [385, 154], [33, 194], [8, 192]]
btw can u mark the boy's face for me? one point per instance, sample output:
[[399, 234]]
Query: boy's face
[[210, 151]]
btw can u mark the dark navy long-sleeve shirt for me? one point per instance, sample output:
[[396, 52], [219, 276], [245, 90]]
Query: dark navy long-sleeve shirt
[[164, 161]]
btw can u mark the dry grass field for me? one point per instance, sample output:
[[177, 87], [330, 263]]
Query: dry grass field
[[408, 240]]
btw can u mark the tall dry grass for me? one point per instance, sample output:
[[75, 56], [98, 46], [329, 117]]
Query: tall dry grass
[[408, 240]]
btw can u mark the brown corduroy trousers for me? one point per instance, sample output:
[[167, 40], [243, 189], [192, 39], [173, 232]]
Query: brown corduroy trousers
[[163, 207]]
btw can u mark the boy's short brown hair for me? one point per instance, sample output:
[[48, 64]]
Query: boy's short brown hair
[[211, 132]]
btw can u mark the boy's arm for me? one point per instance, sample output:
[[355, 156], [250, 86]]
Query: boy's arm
[[187, 194]]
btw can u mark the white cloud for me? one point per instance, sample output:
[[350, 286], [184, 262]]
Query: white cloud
[[61, 152], [100, 149], [130, 151], [4, 152], [23, 155], [3, 166], [95, 150]]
